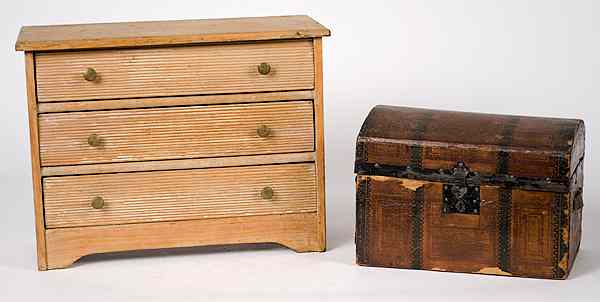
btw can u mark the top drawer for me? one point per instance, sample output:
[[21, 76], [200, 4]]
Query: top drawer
[[170, 71]]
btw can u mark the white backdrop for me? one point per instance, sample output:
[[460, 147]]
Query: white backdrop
[[516, 57]]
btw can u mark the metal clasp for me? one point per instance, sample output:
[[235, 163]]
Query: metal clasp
[[462, 194]]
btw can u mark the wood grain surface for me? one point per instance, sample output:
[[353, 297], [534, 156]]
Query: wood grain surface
[[531, 146], [296, 231], [35, 161], [175, 133], [320, 139], [177, 159], [170, 71], [131, 34], [176, 101], [180, 164], [179, 195], [452, 242]]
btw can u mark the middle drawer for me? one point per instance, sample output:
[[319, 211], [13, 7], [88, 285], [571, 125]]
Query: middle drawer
[[175, 133]]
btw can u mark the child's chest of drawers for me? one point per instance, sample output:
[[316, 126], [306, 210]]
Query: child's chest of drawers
[[155, 146]]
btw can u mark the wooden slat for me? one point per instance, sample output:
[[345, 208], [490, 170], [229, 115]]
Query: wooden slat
[[176, 101], [171, 71], [40, 233], [179, 195], [320, 141], [197, 163], [295, 231], [175, 133], [131, 34]]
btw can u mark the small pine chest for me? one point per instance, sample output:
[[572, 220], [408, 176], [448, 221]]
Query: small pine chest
[[469, 192], [165, 134]]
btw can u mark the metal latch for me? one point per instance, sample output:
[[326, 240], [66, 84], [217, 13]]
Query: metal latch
[[462, 194]]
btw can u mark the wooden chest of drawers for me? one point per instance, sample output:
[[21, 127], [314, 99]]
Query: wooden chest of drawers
[[170, 134]]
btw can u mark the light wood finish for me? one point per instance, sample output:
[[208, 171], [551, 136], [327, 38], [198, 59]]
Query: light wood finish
[[176, 101], [180, 164], [175, 133], [35, 162], [179, 195], [320, 140], [295, 231], [167, 134], [131, 34], [171, 71]]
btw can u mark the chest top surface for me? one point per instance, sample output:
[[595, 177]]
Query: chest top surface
[[468, 128], [500, 147], [156, 33]]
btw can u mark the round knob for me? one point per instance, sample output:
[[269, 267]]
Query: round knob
[[94, 140], [90, 74], [263, 131], [264, 68], [267, 193], [97, 202]]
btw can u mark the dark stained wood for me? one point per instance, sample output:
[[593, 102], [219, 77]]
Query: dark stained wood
[[468, 128], [529, 220], [533, 144]]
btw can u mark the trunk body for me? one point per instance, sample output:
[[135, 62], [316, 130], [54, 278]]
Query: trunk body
[[467, 192]]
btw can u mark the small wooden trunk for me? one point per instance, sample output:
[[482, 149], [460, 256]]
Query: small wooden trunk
[[469, 192]]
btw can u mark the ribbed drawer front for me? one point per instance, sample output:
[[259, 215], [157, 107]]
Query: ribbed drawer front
[[175, 133], [170, 71], [179, 195]]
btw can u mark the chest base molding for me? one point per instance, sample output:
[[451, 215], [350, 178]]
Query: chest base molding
[[295, 231]]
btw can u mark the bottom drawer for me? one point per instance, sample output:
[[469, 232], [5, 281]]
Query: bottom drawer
[[103, 199]]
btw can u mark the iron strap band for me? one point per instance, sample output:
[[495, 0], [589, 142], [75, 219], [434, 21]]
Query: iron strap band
[[504, 225], [416, 151], [559, 247], [361, 239], [417, 229], [447, 177], [561, 165], [503, 157], [560, 206]]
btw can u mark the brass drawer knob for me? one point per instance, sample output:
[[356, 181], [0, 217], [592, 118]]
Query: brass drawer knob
[[267, 193], [94, 140], [263, 131], [97, 202], [90, 74], [264, 68]]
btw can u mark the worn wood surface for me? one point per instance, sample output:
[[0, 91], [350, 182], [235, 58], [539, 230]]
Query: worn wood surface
[[527, 172], [176, 107], [176, 101], [152, 33], [576, 212], [389, 233], [533, 147], [320, 139], [180, 164], [35, 161], [179, 195], [175, 133], [295, 231], [175, 71]]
